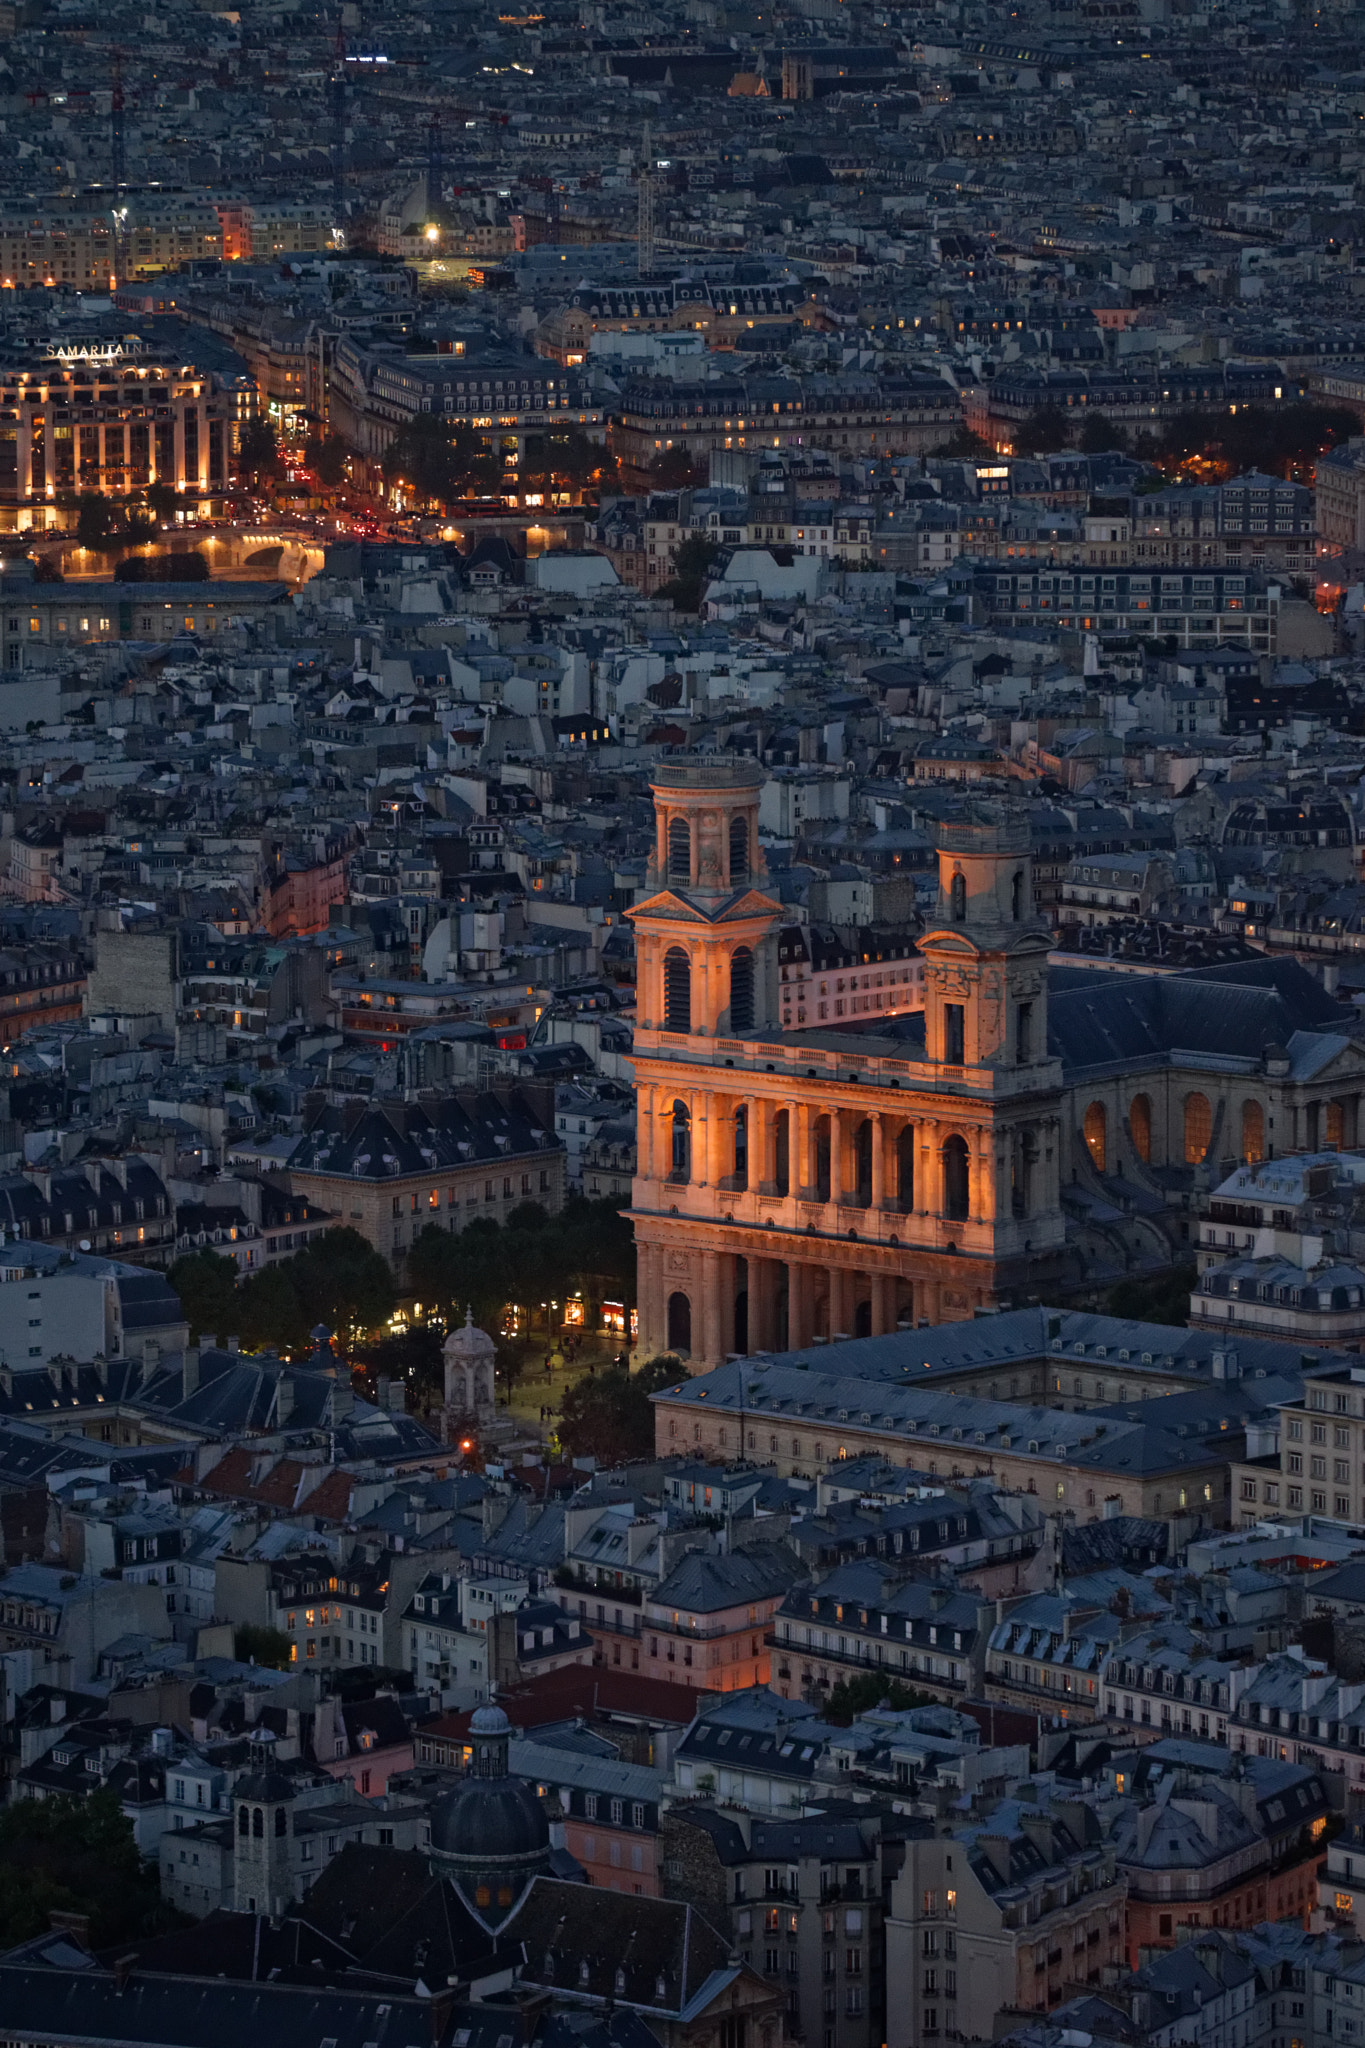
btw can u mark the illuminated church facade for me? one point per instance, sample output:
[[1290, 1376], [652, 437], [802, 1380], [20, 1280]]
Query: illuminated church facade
[[798, 1186]]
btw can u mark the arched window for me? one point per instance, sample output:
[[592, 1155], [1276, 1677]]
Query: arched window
[[281, 1821], [956, 1201], [1017, 896], [1253, 1132], [679, 850], [905, 1170], [257, 1823], [957, 898], [1198, 1128], [1335, 1128], [682, 1141], [1140, 1124], [741, 989], [679, 1323], [243, 1820], [1096, 1132], [677, 990], [782, 1151], [742, 1146], [739, 849]]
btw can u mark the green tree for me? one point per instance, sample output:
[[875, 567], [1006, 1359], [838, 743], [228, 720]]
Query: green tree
[[965, 445], [1163, 1299], [451, 1272], [162, 499], [854, 1696], [1099, 434], [326, 455], [99, 520], [1044, 431], [340, 1280], [268, 1646], [258, 453], [673, 470], [566, 459], [442, 459], [691, 566], [75, 1856], [270, 1316], [207, 1286], [609, 1415]]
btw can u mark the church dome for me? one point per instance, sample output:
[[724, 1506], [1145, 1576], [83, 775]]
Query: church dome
[[490, 1833], [490, 1820]]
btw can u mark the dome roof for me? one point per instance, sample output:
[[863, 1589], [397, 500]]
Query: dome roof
[[489, 1720], [470, 1343], [489, 1821]]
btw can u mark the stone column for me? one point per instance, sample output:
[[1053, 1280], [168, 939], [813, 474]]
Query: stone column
[[762, 1304], [838, 1304], [756, 1113], [716, 1336], [798, 1306], [715, 1160], [799, 1162], [928, 1181], [878, 1161], [836, 1156], [50, 453], [883, 1299]]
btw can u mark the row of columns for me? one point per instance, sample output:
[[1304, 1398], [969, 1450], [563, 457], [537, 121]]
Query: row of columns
[[842, 1288], [117, 436], [712, 1146]]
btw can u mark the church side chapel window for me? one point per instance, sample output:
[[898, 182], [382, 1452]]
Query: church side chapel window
[[1198, 1128], [1253, 1133], [1096, 1132], [1140, 1124]]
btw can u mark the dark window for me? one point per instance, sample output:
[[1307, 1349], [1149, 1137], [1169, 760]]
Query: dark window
[[739, 849], [742, 989], [954, 1033], [682, 1141], [679, 1323], [1017, 897], [679, 851], [955, 1179], [905, 1169], [782, 1151], [957, 898], [1023, 1034], [677, 990]]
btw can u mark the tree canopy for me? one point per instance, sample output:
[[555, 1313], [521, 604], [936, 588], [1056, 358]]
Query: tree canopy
[[338, 1280], [609, 1415], [67, 1855], [533, 1257], [565, 459], [860, 1694], [1046, 430], [691, 566], [442, 459]]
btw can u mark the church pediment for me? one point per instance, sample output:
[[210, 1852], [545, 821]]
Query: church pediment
[[974, 942], [671, 904]]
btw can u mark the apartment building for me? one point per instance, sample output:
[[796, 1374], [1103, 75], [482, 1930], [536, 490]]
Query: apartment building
[[1015, 1918]]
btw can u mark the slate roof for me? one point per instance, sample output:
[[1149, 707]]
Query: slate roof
[[1098, 1020], [380, 1145], [670, 1956], [701, 1583]]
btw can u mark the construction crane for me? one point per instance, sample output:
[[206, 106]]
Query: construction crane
[[116, 126]]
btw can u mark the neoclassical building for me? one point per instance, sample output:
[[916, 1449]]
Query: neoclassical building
[[1031, 1131], [842, 1182]]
